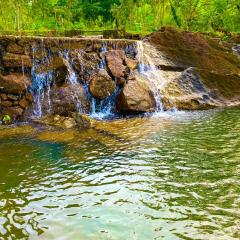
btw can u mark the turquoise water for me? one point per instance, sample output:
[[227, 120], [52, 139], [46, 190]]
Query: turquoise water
[[169, 176]]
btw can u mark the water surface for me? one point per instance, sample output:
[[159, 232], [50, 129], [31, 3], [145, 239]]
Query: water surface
[[168, 176]]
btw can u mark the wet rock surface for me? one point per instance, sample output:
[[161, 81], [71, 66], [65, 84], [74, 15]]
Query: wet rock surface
[[136, 97], [15, 83], [115, 62], [101, 85], [210, 71], [64, 99], [83, 121], [61, 76]]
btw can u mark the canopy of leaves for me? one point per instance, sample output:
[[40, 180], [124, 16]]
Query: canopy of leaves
[[127, 15]]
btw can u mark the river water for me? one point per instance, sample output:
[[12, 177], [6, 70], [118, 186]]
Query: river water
[[165, 176]]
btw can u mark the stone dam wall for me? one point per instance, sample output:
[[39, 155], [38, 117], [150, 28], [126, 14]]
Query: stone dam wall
[[167, 70], [40, 76]]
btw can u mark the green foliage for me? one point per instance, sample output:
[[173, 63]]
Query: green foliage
[[6, 119], [125, 15]]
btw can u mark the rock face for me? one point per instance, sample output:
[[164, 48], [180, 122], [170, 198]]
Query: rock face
[[15, 83], [11, 60], [85, 64], [136, 97], [187, 92], [14, 97], [115, 62], [209, 72], [65, 100], [51, 75], [193, 72], [101, 85]]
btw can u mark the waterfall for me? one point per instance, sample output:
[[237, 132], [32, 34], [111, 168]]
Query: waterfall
[[147, 68], [101, 109], [72, 78], [43, 74], [102, 64], [41, 87]]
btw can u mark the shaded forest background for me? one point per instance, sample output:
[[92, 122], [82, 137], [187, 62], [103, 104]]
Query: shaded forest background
[[135, 16]]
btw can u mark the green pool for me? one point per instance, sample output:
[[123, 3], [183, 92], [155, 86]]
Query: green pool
[[168, 176]]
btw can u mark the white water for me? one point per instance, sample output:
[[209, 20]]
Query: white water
[[72, 78], [41, 87], [146, 56], [102, 64], [101, 109]]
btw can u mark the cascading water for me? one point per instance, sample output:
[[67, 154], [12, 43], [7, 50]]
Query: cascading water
[[102, 64], [41, 87], [150, 72], [43, 80], [101, 109], [72, 78]]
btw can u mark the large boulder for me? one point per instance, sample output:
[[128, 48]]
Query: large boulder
[[101, 85], [115, 62], [85, 64], [192, 90], [187, 49], [68, 99], [15, 83], [209, 71], [136, 97]]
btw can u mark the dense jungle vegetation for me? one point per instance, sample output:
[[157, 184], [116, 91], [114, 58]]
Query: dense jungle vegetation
[[140, 16]]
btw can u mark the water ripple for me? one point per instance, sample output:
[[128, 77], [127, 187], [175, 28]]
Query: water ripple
[[171, 176]]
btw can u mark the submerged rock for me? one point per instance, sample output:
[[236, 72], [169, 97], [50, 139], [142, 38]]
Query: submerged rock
[[136, 97], [83, 121], [101, 85], [56, 121], [22, 130]]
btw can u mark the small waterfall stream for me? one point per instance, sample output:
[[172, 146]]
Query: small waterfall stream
[[42, 81], [72, 78], [150, 72], [101, 109], [41, 87]]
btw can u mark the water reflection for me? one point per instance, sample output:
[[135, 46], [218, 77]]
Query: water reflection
[[171, 176]]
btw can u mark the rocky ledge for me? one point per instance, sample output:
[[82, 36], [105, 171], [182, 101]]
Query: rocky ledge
[[205, 72], [60, 76]]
